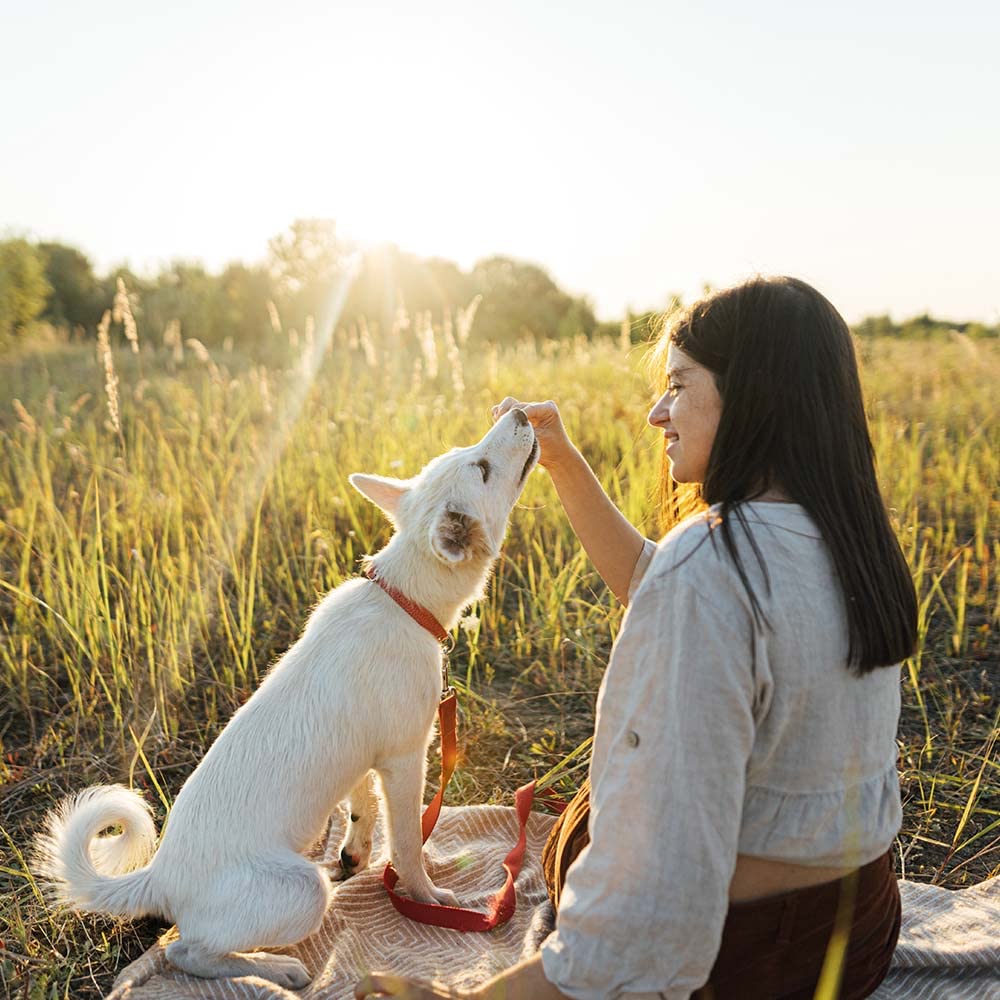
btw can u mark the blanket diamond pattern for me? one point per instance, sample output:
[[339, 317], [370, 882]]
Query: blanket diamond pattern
[[363, 932], [949, 945]]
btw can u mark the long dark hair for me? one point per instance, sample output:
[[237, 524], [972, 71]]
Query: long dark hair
[[793, 417]]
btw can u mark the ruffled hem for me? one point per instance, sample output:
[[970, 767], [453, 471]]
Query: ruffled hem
[[843, 828]]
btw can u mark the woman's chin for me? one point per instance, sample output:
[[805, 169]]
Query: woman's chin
[[678, 473]]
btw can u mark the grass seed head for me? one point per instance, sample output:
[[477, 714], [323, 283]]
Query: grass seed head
[[122, 313], [110, 375]]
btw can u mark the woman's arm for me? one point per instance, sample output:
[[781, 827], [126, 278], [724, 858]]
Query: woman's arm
[[613, 545], [675, 732], [524, 981]]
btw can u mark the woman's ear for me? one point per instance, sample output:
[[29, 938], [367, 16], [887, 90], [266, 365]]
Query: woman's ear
[[457, 536], [383, 491]]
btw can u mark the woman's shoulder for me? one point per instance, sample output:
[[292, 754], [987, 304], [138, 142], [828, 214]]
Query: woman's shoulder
[[690, 556], [695, 552]]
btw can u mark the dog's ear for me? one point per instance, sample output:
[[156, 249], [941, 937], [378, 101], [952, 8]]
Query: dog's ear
[[383, 491], [458, 536]]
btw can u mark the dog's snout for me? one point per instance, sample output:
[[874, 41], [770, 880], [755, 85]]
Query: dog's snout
[[346, 860], [519, 418]]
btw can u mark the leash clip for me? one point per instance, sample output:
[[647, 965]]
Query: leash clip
[[446, 687], [447, 690]]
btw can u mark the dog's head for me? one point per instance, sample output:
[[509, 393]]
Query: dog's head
[[459, 503]]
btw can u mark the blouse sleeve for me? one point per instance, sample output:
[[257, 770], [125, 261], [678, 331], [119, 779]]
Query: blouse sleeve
[[642, 911], [641, 565]]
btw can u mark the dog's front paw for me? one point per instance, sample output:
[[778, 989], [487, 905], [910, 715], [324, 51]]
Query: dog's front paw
[[353, 859], [428, 892], [445, 897]]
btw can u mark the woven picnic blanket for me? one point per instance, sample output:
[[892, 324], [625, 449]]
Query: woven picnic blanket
[[949, 945], [362, 932]]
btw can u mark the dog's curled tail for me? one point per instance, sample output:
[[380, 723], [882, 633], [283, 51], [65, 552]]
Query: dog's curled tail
[[98, 874]]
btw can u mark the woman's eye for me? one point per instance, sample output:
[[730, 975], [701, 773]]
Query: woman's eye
[[484, 467], [674, 388]]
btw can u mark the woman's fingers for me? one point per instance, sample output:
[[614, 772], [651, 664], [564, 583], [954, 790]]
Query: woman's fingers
[[535, 412], [540, 412], [550, 434], [503, 406], [380, 984]]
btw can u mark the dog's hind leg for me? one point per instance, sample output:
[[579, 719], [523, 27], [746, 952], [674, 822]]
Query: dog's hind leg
[[403, 786], [265, 902], [356, 850], [197, 960]]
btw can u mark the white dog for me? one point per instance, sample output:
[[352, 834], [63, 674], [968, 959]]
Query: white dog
[[358, 691]]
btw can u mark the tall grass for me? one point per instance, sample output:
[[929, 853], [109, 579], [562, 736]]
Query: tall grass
[[157, 556]]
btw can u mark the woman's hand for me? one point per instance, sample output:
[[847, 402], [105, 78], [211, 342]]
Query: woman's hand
[[380, 984], [553, 441], [524, 981]]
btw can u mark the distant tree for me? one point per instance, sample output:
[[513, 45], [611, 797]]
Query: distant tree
[[521, 299], [876, 326], [978, 331], [244, 293], [388, 278], [444, 281], [23, 288], [576, 319], [186, 292], [75, 298], [922, 327], [306, 262], [137, 286]]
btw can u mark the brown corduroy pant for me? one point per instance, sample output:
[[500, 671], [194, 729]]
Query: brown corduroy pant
[[775, 948]]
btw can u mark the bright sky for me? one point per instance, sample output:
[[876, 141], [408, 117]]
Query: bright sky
[[631, 148]]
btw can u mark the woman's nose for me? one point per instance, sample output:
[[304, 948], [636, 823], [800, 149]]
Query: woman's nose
[[659, 414]]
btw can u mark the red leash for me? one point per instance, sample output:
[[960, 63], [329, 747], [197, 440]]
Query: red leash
[[503, 904]]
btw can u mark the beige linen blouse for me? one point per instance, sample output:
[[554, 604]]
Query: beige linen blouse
[[716, 736]]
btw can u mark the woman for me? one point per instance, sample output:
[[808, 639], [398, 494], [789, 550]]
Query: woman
[[743, 793]]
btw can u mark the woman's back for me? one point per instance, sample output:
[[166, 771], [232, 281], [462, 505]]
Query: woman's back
[[821, 783]]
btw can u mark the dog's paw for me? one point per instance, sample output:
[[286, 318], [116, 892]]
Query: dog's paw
[[354, 859], [430, 893], [445, 897], [284, 971]]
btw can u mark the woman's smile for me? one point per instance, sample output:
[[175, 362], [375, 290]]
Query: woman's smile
[[691, 401]]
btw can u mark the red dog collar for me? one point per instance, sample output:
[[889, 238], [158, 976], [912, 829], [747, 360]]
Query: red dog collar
[[416, 611]]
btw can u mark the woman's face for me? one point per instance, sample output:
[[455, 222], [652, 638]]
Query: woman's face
[[688, 414]]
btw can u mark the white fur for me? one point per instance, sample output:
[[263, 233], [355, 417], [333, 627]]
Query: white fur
[[358, 692]]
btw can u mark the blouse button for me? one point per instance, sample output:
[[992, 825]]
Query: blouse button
[[632, 739]]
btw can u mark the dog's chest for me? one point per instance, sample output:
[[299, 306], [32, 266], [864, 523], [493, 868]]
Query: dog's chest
[[365, 663], [408, 702]]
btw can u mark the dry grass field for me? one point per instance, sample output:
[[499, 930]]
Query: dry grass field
[[168, 517]]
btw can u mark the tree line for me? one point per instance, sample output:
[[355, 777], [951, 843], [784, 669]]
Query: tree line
[[312, 275], [308, 271]]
